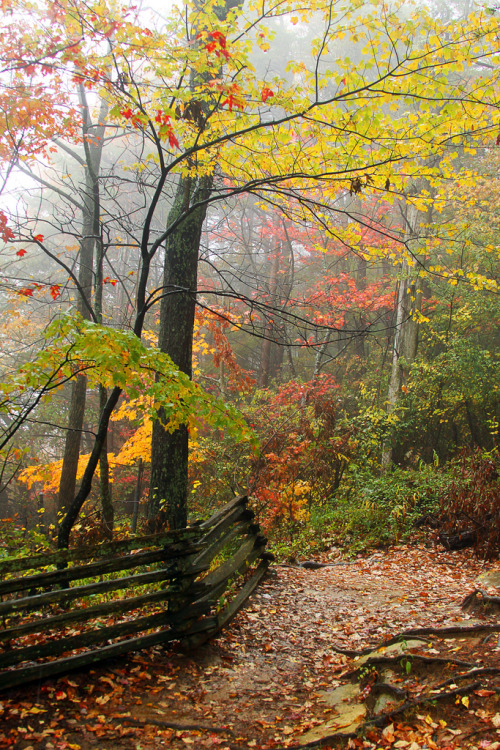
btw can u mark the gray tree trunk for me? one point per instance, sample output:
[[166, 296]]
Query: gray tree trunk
[[405, 343], [93, 142], [167, 503]]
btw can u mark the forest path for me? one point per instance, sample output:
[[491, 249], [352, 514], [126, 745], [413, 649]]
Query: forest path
[[263, 683]]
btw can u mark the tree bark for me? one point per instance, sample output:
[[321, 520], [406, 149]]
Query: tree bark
[[86, 484], [169, 450], [137, 496], [404, 351], [280, 286], [93, 141], [108, 512]]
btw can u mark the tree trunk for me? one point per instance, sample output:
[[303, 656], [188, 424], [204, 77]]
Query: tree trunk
[[107, 510], [320, 354], [405, 344], [169, 450], [271, 355], [108, 513], [137, 496], [360, 348], [85, 486], [67, 482], [93, 142]]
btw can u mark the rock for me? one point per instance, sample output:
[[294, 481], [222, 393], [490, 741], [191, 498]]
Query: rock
[[490, 578]]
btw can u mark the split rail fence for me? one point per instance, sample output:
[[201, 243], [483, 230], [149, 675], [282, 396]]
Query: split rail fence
[[74, 608]]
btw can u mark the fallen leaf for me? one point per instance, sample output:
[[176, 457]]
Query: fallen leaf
[[388, 733]]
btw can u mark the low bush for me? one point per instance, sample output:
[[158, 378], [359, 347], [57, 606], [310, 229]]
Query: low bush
[[471, 502]]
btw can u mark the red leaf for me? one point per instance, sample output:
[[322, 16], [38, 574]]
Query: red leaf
[[21, 253], [217, 44], [55, 291], [173, 140], [38, 237], [6, 233], [266, 94], [27, 292]]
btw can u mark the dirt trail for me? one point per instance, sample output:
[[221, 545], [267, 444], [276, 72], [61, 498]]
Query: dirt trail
[[261, 683]]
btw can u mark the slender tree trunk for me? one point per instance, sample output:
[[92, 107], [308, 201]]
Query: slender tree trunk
[[266, 369], [137, 496], [320, 354], [67, 482], [169, 450], [404, 351], [108, 513], [107, 510], [93, 141], [86, 484], [360, 349]]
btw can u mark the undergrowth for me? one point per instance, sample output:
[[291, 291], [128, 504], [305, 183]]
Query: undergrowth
[[472, 501], [370, 511]]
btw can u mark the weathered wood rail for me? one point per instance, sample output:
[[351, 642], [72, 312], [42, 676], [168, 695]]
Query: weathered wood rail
[[69, 609]]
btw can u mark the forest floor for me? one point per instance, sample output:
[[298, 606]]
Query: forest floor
[[280, 677]]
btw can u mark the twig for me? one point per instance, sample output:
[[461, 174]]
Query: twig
[[453, 630], [350, 651], [171, 725], [475, 672], [418, 632]]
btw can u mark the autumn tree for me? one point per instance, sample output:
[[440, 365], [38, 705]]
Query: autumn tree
[[285, 182], [450, 397], [212, 129]]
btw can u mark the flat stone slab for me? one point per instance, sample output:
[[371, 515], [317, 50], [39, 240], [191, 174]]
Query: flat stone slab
[[346, 723], [350, 715], [338, 698], [490, 578]]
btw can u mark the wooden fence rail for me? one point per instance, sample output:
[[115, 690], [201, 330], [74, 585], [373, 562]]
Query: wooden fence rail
[[69, 609]]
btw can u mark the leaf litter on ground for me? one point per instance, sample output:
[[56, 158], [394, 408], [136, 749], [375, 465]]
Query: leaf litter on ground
[[304, 665]]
